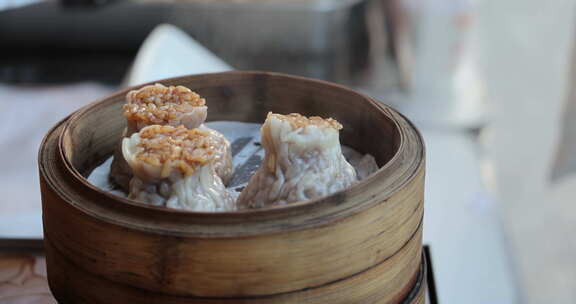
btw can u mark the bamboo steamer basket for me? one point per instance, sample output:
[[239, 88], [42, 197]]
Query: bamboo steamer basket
[[360, 245]]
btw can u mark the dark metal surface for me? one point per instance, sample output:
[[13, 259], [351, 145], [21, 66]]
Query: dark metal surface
[[50, 42], [332, 40], [22, 246], [431, 282]]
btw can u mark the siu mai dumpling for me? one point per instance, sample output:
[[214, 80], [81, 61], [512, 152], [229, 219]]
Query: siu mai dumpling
[[174, 167], [161, 105], [303, 161]]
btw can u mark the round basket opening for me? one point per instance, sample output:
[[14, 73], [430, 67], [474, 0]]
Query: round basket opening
[[93, 132]]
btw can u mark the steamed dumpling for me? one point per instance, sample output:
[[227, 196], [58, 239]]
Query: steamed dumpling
[[166, 106], [174, 167], [303, 161]]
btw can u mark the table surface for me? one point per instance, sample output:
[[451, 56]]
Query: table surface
[[23, 280]]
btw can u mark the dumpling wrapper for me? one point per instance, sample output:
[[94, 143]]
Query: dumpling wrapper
[[303, 161], [174, 167]]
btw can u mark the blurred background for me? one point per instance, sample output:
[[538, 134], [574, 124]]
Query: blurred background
[[489, 83]]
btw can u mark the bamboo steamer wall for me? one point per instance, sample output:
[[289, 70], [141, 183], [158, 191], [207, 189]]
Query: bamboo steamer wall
[[361, 245]]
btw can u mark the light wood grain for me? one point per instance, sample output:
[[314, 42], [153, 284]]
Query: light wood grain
[[362, 244], [370, 286]]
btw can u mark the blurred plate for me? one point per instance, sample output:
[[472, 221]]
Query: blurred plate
[[170, 52]]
